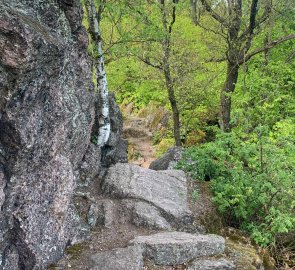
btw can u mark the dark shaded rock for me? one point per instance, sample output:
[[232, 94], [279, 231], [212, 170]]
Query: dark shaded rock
[[118, 259], [212, 264], [168, 161], [171, 248], [166, 190], [46, 118], [115, 149]]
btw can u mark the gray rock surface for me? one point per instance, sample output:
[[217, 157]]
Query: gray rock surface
[[90, 165], [46, 118], [146, 215], [170, 248], [101, 213], [129, 258], [168, 160], [47, 114], [165, 190], [212, 264]]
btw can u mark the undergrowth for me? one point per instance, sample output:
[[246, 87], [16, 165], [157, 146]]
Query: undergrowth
[[252, 180]]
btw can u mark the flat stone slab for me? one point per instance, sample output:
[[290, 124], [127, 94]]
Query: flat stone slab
[[170, 248], [212, 264], [118, 259], [166, 190]]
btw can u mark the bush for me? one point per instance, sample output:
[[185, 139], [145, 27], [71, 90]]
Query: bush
[[252, 180]]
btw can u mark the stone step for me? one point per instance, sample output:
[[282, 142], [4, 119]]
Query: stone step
[[212, 264], [172, 248], [166, 190], [129, 258], [132, 132]]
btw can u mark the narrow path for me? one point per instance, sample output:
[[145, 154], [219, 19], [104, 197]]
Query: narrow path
[[141, 150]]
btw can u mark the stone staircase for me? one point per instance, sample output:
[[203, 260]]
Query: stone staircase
[[141, 221]]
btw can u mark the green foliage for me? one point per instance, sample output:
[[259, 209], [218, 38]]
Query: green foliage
[[136, 31], [252, 180], [132, 86], [163, 146]]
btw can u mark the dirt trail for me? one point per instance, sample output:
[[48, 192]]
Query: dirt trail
[[141, 150]]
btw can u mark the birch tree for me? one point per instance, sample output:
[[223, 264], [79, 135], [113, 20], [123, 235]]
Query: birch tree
[[94, 12]]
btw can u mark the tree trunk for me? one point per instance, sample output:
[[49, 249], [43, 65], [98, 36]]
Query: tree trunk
[[173, 103], [225, 96], [166, 44], [195, 12], [104, 126]]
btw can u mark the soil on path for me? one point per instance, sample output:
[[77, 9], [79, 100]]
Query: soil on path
[[140, 149]]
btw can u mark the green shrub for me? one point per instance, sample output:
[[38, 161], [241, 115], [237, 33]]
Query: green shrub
[[252, 180]]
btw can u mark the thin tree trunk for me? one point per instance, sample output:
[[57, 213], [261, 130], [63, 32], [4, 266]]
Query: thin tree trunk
[[104, 126], [170, 90], [195, 12], [225, 96], [173, 103], [166, 69]]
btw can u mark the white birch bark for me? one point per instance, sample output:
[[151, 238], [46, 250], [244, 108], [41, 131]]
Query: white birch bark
[[102, 85]]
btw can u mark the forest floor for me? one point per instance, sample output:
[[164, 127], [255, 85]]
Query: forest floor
[[140, 150]]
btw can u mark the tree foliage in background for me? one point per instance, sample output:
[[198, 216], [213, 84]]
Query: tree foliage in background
[[239, 23]]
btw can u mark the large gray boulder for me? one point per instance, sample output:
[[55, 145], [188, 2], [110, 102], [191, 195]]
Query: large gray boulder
[[46, 118], [172, 248], [118, 259], [166, 190]]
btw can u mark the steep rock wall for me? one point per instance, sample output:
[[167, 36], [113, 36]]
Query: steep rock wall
[[46, 117]]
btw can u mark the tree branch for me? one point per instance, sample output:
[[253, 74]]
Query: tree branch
[[216, 60], [173, 16], [259, 21], [214, 14], [266, 47], [251, 27], [147, 61]]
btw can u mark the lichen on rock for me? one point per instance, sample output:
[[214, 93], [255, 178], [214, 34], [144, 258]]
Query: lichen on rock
[[46, 118]]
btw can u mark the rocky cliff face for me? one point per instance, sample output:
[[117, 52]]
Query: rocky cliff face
[[46, 118]]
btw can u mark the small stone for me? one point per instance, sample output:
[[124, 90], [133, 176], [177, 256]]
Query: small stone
[[93, 215]]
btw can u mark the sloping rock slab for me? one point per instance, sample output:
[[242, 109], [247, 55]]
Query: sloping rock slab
[[220, 264], [170, 248], [119, 259], [146, 215], [166, 190]]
